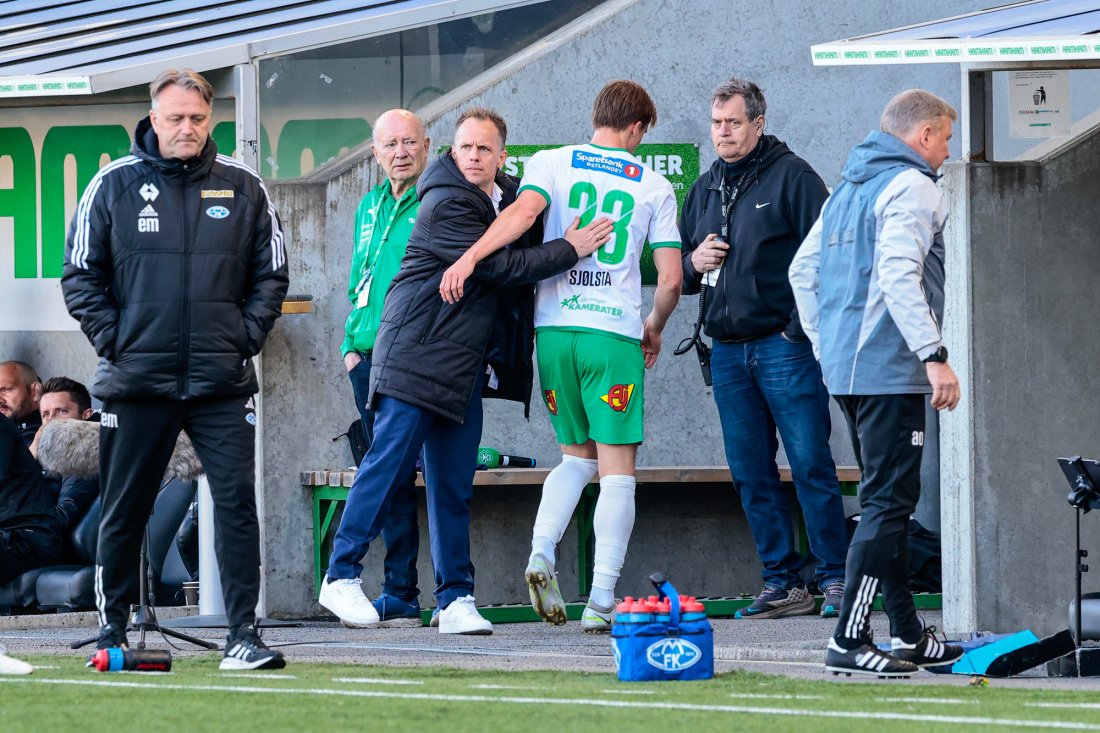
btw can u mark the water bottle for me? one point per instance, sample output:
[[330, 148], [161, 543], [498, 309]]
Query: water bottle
[[132, 660], [492, 458], [691, 609], [623, 614], [664, 611], [641, 611]]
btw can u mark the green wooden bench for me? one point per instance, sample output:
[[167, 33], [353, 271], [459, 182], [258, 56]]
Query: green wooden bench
[[329, 490]]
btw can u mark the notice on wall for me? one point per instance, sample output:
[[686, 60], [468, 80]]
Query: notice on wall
[[1039, 103]]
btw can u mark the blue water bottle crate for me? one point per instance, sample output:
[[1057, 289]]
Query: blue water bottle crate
[[664, 637]]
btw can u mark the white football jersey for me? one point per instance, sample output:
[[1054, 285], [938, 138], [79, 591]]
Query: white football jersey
[[603, 292]]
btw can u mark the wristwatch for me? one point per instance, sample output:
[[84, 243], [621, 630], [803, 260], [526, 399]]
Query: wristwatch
[[938, 356]]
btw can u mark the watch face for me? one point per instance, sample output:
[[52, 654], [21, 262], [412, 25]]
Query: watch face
[[939, 356]]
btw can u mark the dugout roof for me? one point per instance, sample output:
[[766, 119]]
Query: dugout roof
[[1033, 31], [54, 48]]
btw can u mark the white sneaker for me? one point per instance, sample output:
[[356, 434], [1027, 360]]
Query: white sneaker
[[345, 598], [461, 617], [10, 665]]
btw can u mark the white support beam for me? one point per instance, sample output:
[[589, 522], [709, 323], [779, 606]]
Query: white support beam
[[957, 485], [246, 93]]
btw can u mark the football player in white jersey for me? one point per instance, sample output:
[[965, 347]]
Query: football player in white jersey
[[593, 344]]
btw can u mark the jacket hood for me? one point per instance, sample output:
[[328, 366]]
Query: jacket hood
[[147, 147], [768, 151], [879, 152], [444, 172]]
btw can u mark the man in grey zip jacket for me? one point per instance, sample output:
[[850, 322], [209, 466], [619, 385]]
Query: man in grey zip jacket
[[868, 281]]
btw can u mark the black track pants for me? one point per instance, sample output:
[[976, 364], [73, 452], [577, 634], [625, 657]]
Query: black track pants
[[888, 437], [135, 442]]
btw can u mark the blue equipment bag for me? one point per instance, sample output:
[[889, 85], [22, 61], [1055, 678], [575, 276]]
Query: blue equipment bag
[[650, 648]]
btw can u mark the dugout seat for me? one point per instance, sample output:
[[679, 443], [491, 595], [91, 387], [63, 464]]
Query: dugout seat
[[72, 587]]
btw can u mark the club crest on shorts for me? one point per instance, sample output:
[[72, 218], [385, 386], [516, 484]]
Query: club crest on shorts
[[618, 397], [550, 397]]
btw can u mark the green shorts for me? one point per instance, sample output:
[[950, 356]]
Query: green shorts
[[593, 386]]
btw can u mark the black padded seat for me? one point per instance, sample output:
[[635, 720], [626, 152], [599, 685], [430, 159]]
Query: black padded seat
[[73, 586]]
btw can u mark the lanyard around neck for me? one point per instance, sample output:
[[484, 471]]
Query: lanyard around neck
[[375, 247]]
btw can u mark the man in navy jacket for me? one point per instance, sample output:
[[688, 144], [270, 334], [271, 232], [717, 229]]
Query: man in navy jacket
[[741, 225], [433, 361]]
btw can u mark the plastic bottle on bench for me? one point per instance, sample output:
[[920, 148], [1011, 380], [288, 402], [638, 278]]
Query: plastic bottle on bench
[[492, 458]]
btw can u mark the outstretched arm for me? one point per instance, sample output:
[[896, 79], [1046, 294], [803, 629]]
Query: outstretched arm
[[507, 228]]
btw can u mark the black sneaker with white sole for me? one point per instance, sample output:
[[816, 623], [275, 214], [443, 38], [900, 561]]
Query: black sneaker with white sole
[[867, 659], [928, 652], [111, 636], [248, 651], [778, 602]]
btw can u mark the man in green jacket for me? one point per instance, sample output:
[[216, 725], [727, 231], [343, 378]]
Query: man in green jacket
[[383, 223]]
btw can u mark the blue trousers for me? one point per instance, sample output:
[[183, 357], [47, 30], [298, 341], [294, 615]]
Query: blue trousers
[[400, 530], [450, 458], [762, 386]]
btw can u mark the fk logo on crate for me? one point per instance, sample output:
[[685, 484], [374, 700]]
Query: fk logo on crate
[[672, 655]]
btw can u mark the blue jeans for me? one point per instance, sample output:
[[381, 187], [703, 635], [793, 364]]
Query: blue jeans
[[762, 386], [450, 458], [400, 530]]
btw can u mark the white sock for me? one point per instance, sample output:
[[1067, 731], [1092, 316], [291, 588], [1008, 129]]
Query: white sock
[[560, 493], [613, 522]]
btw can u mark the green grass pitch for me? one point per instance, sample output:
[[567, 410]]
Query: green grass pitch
[[64, 696]]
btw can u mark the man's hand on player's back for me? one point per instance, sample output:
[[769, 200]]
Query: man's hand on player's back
[[585, 240]]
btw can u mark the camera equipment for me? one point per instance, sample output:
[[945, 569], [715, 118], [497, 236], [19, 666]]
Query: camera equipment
[[710, 279], [143, 617], [702, 351], [1083, 476]]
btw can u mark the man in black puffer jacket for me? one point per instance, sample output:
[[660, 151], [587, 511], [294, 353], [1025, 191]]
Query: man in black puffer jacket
[[176, 269], [434, 361], [742, 222]]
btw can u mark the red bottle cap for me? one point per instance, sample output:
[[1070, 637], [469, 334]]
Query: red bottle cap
[[101, 660]]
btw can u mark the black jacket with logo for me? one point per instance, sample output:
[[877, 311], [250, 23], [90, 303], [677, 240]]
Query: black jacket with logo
[[176, 271], [778, 203], [429, 353]]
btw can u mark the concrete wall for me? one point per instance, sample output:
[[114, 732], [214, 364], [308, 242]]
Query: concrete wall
[[546, 95], [1031, 314], [680, 51]]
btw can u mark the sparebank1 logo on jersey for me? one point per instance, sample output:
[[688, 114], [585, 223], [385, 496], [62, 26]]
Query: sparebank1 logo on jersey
[[583, 160]]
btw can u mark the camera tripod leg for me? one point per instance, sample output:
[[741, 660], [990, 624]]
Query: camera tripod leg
[[1080, 569]]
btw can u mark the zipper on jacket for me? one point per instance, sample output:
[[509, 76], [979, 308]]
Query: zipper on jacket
[[431, 320], [185, 302]]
